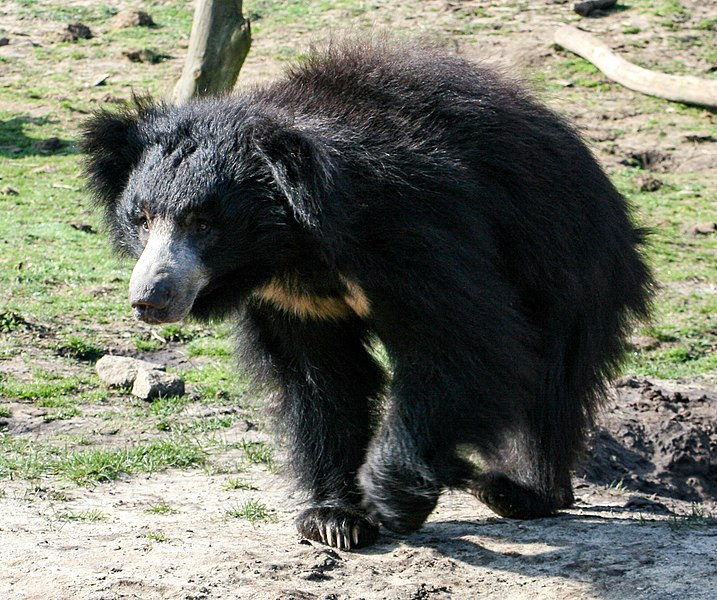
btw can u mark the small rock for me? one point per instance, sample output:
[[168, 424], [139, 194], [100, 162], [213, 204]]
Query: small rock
[[640, 503], [702, 229], [100, 80], [627, 381], [151, 384], [112, 98], [9, 191], [131, 18], [650, 160], [49, 145], [647, 183], [83, 227], [145, 55], [644, 342], [121, 371], [4, 41], [74, 32], [700, 138]]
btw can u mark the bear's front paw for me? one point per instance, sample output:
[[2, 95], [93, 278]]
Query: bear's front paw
[[399, 499], [509, 498], [338, 526]]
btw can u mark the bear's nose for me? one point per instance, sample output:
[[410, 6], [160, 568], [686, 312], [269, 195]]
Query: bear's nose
[[156, 297]]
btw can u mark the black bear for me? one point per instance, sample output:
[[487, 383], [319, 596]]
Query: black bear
[[393, 193]]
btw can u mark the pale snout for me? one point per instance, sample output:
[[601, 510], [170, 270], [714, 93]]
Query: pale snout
[[168, 276]]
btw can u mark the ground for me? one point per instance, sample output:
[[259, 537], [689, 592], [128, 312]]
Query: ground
[[105, 496]]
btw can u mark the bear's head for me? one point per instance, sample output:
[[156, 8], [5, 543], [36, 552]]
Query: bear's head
[[212, 198]]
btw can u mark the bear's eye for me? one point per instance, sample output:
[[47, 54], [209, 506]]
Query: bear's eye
[[144, 224], [202, 226]]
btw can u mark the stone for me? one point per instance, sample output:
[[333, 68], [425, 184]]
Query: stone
[[74, 32], [152, 384], [702, 229], [132, 18], [121, 371]]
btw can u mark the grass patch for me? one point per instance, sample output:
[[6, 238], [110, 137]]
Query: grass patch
[[685, 316], [97, 466], [219, 382], [258, 453], [11, 321], [161, 508], [253, 511], [205, 425], [157, 536], [87, 516], [62, 414], [50, 390], [216, 347], [147, 343], [697, 518], [166, 406], [233, 483], [32, 460], [225, 468], [80, 349]]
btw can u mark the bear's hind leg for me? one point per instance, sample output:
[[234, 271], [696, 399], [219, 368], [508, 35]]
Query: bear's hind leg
[[534, 479], [413, 457], [328, 382]]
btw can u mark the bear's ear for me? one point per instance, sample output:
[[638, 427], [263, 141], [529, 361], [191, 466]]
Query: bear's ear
[[112, 147], [301, 169]]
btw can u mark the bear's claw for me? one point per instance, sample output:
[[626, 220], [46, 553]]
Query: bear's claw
[[341, 527]]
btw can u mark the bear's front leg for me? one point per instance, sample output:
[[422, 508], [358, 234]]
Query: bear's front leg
[[327, 380]]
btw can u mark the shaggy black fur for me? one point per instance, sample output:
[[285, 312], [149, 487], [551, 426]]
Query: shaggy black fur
[[410, 196]]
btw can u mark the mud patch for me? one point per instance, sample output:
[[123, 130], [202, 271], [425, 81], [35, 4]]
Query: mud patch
[[657, 438]]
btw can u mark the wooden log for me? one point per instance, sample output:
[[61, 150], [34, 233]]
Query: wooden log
[[218, 45], [678, 88]]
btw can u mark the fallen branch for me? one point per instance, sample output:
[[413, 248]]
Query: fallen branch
[[678, 88]]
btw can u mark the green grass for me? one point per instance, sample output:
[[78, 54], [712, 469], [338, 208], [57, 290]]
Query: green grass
[[220, 346], [11, 321], [87, 516], [253, 511], [62, 413], [157, 536], [50, 389], [32, 460], [685, 316], [258, 453], [698, 517], [80, 349], [161, 508], [64, 295], [233, 483], [147, 343]]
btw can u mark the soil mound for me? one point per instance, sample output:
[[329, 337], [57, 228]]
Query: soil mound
[[656, 438]]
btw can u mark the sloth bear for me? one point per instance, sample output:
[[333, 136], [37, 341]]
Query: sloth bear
[[394, 194]]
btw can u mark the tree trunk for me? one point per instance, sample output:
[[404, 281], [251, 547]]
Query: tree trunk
[[218, 45]]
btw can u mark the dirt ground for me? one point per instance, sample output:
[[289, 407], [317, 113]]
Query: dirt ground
[[642, 524], [638, 529]]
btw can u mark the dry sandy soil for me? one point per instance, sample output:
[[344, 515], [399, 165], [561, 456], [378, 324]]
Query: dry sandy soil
[[639, 528]]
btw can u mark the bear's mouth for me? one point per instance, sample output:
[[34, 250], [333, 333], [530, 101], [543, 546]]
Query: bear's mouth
[[157, 316]]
